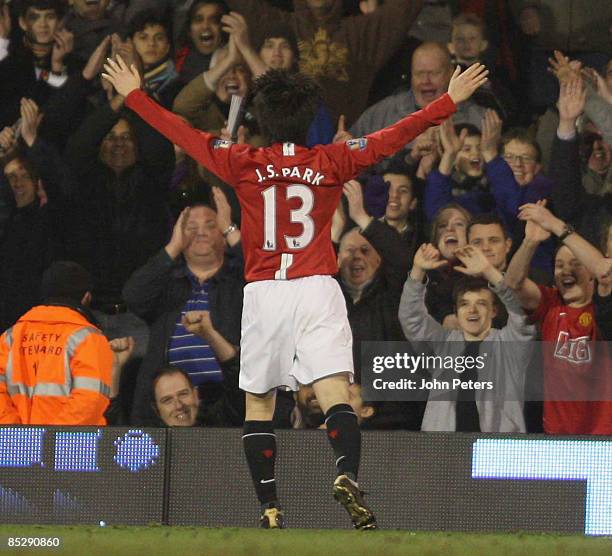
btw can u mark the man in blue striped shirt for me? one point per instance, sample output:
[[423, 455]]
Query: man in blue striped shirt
[[192, 285]]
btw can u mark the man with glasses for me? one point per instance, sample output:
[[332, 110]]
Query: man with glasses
[[523, 156]]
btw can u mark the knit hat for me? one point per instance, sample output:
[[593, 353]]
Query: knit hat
[[280, 31]]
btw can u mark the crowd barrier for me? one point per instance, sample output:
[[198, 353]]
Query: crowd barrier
[[198, 476]]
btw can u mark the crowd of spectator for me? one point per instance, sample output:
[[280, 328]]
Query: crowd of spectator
[[493, 229]]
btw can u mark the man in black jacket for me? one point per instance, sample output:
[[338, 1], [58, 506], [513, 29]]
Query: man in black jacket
[[120, 172], [373, 268], [192, 271]]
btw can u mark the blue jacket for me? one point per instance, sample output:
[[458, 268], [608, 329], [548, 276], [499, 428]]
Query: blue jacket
[[507, 197], [503, 197]]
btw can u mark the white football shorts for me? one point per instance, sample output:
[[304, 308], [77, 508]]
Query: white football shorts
[[293, 332]]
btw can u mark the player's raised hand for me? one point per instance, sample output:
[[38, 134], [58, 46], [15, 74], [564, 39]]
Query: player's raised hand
[[235, 25], [463, 84], [563, 67], [598, 82], [125, 79], [603, 271]]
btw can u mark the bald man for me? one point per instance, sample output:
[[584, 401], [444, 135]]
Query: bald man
[[431, 71]]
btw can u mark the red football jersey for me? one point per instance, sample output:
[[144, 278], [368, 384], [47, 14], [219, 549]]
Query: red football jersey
[[288, 193], [576, 367]]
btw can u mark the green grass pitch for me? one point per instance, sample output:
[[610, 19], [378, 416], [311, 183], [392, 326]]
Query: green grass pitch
[[168, 541]]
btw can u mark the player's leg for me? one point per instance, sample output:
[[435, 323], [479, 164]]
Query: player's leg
[[345, 438], [324, 358], [265, 355], [259, 443], [343, 431]]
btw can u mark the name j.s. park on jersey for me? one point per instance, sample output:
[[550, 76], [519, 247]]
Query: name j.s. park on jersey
[[306, 174]]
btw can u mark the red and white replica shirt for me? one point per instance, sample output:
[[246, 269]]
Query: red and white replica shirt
[[577, 370]]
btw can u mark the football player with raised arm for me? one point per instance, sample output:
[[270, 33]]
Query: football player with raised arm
[[294, 323]]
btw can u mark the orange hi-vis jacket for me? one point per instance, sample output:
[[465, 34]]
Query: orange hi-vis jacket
[[55, 369]]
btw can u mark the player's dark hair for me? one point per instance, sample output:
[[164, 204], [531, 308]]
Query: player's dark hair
[[56, 5], [469, 284], [487, 219], [285, 104], [65, 280]]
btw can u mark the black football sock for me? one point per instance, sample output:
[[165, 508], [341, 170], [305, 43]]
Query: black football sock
[[259, 443], [345, 437]]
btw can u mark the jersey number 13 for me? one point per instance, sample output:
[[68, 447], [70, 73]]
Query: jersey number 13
[[299, 215]]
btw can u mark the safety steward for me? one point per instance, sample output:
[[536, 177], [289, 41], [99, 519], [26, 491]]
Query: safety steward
[[55, 363]]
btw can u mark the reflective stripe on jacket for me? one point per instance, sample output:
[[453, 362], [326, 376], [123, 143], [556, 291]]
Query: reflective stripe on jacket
[[55, 369]]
